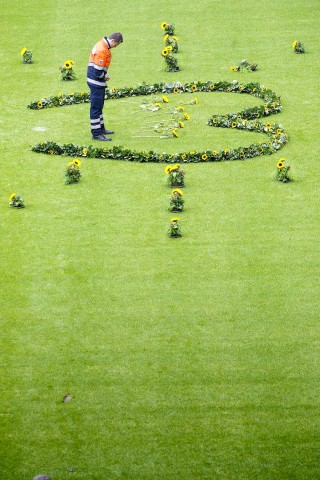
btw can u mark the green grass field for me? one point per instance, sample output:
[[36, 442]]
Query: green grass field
[[192, 358]]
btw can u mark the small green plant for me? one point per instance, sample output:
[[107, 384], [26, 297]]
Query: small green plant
[[297, 47], [26, 55], [174, 228], [175, 175], [16, 201], [73, 173], [176, 200], [282, 173], [67, 72]]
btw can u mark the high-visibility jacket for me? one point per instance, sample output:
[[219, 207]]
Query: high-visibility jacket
[[99, 61]]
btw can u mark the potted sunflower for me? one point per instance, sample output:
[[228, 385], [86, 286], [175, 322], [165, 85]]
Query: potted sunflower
[[73, 173], [175, 175], [297, 47], [282, 174], [67, 72], [174, 228], [176, 200], [26, 55], [16, 201]]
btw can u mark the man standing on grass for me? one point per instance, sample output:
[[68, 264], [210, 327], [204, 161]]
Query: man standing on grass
[[97, 77]]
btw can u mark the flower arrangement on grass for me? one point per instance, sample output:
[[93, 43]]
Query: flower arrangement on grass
[[244, 120], [297, 47], [282, 174], [67, 72], [244, 66], [171, 61], [60, 100], [171, 41], [168, 27], [16, 201], [175, 175], [174, 228], [26, 55], [176, 200], [73, 173]]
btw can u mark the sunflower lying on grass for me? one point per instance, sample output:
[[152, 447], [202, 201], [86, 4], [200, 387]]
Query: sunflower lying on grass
[[244, 66], [26, 55], [67, 72], [73, 173], [282, 174]]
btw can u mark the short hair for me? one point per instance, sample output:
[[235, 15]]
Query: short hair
[[116, 36]]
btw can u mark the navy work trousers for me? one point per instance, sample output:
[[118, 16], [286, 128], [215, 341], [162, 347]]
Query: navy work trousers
[[96, 107]]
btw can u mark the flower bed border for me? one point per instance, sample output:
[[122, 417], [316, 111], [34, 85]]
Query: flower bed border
[[243, 120]]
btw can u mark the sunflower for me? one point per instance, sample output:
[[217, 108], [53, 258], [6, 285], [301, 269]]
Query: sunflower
[[183, 156], [176, 90], [194, 88], [176, 166], [214, 153], [279, 131], [168, 169], [165, 38], [175, 219], [241, 153], [175, 38], [77, 163], [40, 105], [158, 104], [280, 163], [204, 156], [212, 86], [175, 133], [187, 116], [169, 48], [178, 191], [165, 99], [294, 44], [23, 51], [12, 196], [67, 65], [85, 152], [163, 25], [196, 100], [181, 124], [233, 69], [226, 150], [233, 125], [180, 108]]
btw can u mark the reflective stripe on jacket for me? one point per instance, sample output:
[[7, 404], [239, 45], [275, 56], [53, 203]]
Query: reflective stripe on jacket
[[99, 61]]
